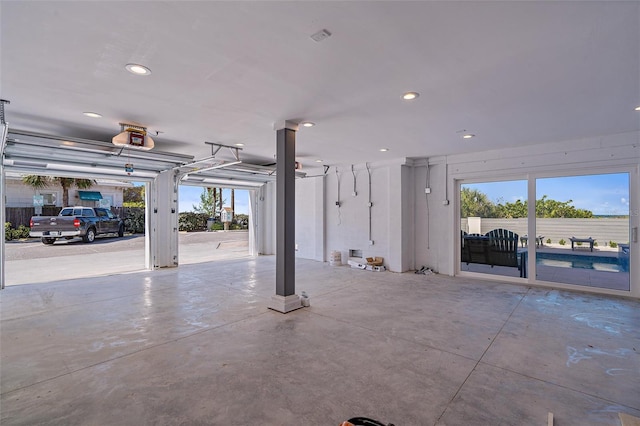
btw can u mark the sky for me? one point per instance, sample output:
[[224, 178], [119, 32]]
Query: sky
[[604, 194], [190, 196]]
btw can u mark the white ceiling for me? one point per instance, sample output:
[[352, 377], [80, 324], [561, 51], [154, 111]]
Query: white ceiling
[[513, 73]]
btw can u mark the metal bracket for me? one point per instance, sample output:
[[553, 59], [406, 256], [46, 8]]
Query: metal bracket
[[2, 102], [215, 147]]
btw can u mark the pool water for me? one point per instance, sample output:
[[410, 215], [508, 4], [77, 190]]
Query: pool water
[[599, 263]]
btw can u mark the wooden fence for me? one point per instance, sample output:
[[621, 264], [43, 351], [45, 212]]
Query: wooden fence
[[21, 215]]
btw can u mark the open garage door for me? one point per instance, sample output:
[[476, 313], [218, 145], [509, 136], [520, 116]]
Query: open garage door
[[34, 153], [27, 153], [213, 224]]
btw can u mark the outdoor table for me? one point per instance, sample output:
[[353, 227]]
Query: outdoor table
[[582, 240], [524, 240]]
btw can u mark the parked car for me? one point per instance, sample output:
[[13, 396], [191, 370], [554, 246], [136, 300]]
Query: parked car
[[72, 222]]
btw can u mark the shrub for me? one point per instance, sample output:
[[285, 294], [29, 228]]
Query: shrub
[[613, 244], [578, 243], [134, 221], [11, 233], [595, 244], [562, 242], [8, 235], [189, 221], [217, 226], [22, 231], [548, 241]]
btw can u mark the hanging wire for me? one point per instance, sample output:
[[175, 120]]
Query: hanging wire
[[338, 202], [426, 199], [354, 181], [370, 203]]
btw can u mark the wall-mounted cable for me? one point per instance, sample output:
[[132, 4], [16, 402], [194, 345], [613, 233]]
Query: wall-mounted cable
[[338, 201], [446, 182], [369, 204], [426, 199], [355, 192], [324, 173]]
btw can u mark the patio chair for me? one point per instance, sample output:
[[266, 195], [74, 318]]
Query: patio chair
[[464, 257], [475, 248], [503, 248]]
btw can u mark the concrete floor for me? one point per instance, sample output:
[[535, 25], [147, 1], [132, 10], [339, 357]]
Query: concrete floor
[[67, 260], [197, 345]]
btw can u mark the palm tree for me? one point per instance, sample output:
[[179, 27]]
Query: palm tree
[[233, 204], [40, 182]]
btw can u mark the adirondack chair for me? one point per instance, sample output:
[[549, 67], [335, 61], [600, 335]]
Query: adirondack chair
[[503, 248]]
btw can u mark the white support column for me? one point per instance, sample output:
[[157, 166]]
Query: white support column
[[163, 226], [266, 206], [254, 223], [400, 220], [3, 129]]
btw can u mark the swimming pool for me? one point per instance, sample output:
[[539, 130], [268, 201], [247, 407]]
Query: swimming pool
[[599, 263]]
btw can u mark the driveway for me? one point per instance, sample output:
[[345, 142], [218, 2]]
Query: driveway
[[31, 261]]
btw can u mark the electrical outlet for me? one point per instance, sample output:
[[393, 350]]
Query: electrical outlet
[[445, 202], [370, 242], [427, 190], [338, 203], [354, 193], [370, 204]]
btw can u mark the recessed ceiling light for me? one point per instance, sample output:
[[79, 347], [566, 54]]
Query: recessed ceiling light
[[308, 124], [92, 114], [138, 69], [318, 161], [637, 108], [410, 96], [467, 136], [239, 144], [384, 149]]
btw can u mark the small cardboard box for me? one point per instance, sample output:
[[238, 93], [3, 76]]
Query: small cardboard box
[[375, 261]]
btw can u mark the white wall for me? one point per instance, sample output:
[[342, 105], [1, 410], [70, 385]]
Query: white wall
[[432, 221], [346, 227], [310, 218], [439, 226], [412, 229]]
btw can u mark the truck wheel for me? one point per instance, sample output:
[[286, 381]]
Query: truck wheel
[[48, 240], [121, 231], [89, 236]]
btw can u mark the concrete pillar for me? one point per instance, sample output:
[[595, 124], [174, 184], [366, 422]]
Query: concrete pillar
[[285, 300]]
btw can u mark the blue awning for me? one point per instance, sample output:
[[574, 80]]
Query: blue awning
[[90, 195]]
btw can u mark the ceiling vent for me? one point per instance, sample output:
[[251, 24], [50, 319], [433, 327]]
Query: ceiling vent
[[320, 35]]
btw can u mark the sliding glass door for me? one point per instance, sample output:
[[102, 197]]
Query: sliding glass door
[[580, 234], [583, 225], [493, 228]]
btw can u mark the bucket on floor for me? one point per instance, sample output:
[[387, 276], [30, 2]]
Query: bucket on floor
[[336, 258]]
